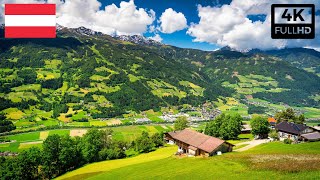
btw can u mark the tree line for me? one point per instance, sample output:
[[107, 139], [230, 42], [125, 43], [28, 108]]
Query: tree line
[[60, 154]]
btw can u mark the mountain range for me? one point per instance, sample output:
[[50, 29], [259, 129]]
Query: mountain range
[[108, 76]]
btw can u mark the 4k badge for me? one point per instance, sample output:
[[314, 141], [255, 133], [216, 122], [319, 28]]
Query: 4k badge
[[293, 21]]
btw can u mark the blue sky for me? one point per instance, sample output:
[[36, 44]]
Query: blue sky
[[187, 7], [200, 24], [211, 24]]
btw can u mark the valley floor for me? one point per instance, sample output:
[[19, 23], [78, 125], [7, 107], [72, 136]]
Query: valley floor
[[267, 161]]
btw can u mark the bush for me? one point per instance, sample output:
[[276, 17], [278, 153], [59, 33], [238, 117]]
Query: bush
[[109, 154], [44, 118], [82, 120], [274, 135], [200, 130], [144, 143], [6, 126], [287, 141]]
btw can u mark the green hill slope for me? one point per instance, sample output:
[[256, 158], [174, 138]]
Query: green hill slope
[[308, 59], [293, 162], [101, 77]]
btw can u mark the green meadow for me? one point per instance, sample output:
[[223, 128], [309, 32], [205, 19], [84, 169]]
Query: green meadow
[[125, 133], [268, 161]]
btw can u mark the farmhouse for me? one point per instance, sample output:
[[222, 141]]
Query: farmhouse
[[296, 132], [194, 143]]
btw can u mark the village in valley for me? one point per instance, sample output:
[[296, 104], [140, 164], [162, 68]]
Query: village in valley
[[215, 129]]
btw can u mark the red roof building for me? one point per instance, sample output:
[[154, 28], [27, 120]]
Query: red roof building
[[194, 143], [272, 120]]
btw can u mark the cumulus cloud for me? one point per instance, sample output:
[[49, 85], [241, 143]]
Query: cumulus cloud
[[229, 25], [172, 21], [156, 37], [125, 19], [3, 2]]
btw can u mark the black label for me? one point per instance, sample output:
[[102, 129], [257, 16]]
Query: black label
[[293, 21]]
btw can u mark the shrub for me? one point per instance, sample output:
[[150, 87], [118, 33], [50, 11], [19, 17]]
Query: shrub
[[44, 118], [287, 141], [82, 120], [274, 135], [68, 115], [200, 130]]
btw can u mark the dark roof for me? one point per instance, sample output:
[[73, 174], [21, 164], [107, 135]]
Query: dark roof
[[198, 140], [291, 127], [311, 136]]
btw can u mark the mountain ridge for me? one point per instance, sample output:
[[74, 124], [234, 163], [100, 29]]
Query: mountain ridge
[[106, 77]]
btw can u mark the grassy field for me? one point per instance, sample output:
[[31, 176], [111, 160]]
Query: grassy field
[[96, 168], [27, 140], [125, 133], [161, 89], [250, 84], [231, 105], [132, 132], [25, 137], [21, 141], [267, 161], [242, 138], [308, 112]]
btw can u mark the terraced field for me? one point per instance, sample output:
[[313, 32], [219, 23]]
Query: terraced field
[[231, 105], [250, 84]]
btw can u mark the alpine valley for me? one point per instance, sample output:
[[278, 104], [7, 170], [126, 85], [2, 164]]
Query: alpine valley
[[85, 76]]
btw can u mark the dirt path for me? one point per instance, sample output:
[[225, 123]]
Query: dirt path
[[78, 132], [251, 144], [33, 142]]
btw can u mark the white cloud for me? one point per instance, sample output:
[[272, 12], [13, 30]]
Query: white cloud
[[3, 2], [125, 19], [172, 21], [152, 29], [228, 25], [156, 37]]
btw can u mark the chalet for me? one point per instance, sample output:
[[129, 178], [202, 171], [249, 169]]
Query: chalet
[[296, 132], [194, 143]]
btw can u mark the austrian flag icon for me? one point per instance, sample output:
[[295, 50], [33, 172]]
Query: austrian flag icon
[[30, 20]]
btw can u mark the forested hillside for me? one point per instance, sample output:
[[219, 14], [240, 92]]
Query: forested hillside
[[106, 77]]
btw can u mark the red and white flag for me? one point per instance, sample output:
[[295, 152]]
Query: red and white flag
[[30, 20]]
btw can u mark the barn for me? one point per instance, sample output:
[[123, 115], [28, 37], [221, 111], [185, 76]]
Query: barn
[[195, 144]]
